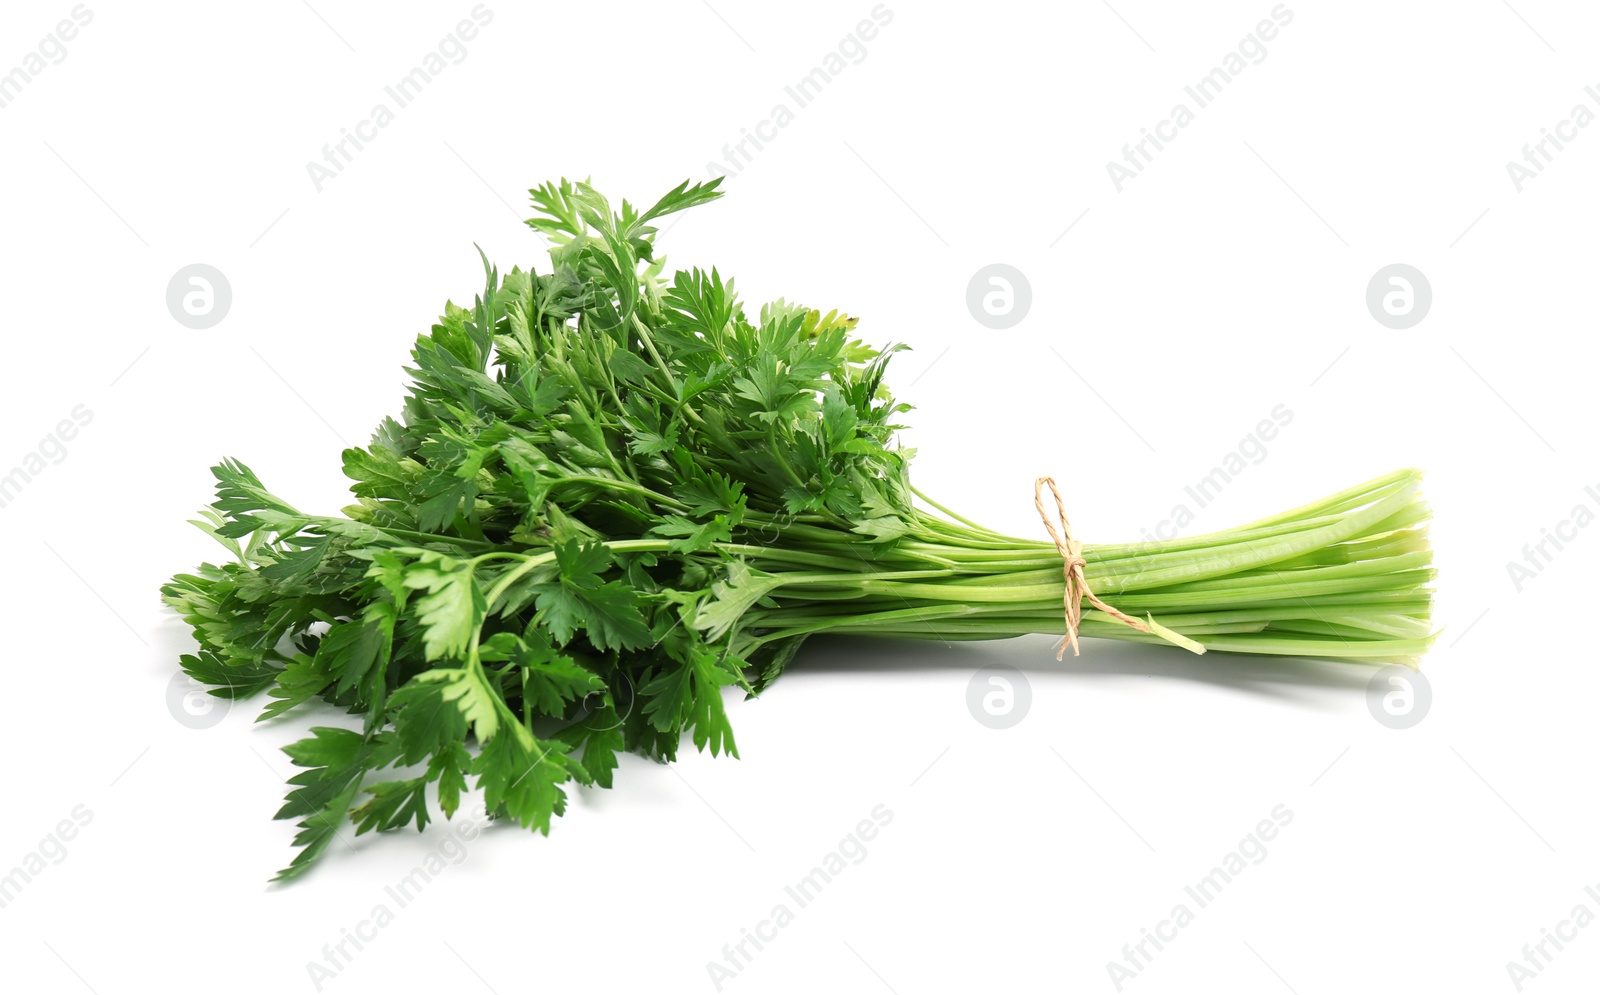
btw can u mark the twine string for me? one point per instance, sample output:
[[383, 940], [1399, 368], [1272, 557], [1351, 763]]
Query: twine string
[[1072, 563]]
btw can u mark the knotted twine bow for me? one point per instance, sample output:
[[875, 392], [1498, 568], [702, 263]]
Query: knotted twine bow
[[1077, 586], [1072, 564]]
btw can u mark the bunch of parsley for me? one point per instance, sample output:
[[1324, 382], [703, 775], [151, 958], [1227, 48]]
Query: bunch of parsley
[[612, 494]]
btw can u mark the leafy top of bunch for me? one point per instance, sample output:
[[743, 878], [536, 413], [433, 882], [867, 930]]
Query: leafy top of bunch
[[545, 561]]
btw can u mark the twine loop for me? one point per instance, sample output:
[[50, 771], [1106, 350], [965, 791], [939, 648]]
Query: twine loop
[[1072, 563]]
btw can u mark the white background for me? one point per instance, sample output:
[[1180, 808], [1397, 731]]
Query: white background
[[1227, 278]]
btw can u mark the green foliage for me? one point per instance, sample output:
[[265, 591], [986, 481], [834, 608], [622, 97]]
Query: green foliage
[[538, 538], [612, 496]]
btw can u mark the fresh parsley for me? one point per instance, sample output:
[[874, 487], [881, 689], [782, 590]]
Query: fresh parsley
[[613, 494]]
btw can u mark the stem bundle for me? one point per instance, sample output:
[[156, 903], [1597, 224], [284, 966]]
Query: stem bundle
[[1344, 577]]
